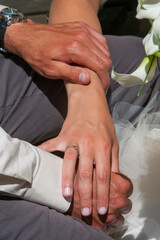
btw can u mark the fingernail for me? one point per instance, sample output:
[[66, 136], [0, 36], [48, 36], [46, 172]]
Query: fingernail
[[102, 210], [68, 191], [83, 78], [86, 212]]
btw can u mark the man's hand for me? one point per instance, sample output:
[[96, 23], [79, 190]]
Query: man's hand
[[120, 189], [54, 50]]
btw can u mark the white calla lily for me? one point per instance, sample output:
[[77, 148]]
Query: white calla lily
[[143, 74], [149, 9], [152, 41]]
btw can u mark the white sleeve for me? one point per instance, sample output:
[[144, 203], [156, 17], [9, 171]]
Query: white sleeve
[[2, 6], [31, 173]]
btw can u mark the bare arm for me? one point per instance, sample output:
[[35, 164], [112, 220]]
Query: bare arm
[[88, 123], [75, 10]]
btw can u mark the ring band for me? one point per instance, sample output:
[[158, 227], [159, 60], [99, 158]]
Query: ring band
[[73, 146]]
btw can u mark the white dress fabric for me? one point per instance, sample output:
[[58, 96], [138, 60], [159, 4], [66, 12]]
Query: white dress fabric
[[140, 161]]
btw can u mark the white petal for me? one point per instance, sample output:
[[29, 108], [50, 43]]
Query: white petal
[[152, 41], [151, 9], [156, 29], [139, 75]]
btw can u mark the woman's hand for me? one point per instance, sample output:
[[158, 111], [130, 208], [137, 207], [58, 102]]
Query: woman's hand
[[120, 190], [89, 126]]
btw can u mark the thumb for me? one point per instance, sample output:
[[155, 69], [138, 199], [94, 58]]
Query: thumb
[[50, 145], [72, 73]]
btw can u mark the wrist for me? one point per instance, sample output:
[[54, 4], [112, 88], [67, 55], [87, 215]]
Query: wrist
[[87, 104], [10, 39], [8, 17], [13, 39], [87, 93]]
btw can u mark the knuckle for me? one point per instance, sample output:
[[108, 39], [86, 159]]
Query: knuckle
[[125, 205], [123, 202], [85, 174], [83, 24], [103, 177], [75, 44], [127, 186], [48, 72], [109, 64], [106, 65], [83, 35], [67, 178], [87, 140], [85, 198], [103, 66], [111, 218], [106, 144], [109, 54], [103, 39]]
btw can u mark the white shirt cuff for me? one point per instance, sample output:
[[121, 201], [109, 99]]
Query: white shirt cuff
[[2, 6], [46, 186], [31, 173]]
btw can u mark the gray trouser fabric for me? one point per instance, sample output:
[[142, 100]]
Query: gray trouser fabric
[[33, 108], [22, 220]]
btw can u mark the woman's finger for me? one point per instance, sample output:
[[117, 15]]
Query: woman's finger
[[115, 157], [68, 170], [85, 171], [103, 165]]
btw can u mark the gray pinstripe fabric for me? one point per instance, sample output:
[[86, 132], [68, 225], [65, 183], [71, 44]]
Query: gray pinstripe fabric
[[33, 108]]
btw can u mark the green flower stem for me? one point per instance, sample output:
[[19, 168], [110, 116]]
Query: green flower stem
[[153, 57], [142, 5], [158, 64]]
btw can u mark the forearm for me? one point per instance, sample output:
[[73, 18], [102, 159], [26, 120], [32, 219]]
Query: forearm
[[83, 99], [75, 10]]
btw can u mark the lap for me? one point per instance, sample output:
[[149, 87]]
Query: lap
[[24, 220], [33, 108]]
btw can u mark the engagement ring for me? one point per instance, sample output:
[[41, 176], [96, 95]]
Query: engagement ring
[[73, 146]]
